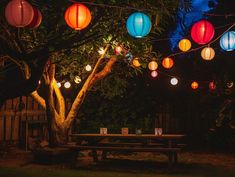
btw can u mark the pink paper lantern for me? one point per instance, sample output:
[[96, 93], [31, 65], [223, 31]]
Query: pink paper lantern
[[37, 19], [19, 13]]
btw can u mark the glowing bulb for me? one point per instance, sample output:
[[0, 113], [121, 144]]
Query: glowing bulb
[[101, 51], [154, 73], [58, 84], [77, 79], [136, 62], [88, 67], [67, 85], [174, 81], [118, 50], [230, 84], [39, 82]]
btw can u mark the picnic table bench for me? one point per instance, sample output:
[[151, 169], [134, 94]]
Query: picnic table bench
[[166, 144]]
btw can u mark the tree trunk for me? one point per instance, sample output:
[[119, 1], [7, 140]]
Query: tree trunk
[[58, 134]]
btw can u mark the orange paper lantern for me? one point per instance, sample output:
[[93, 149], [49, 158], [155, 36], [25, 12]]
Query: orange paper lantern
[[136, 62], [152, 65], [78, 16], [167, 63], [208, 53], [194, 85], [19, 13]]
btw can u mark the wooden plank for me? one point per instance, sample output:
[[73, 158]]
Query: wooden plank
[[1, 128], [132, 136], [132, 149]]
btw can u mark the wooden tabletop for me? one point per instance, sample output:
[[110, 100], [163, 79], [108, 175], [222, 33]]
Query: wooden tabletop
[[147, 136]]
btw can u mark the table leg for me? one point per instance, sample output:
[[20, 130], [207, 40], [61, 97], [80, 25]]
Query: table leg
[[95, 156], [170, 159], [175, 158], [104, 155]]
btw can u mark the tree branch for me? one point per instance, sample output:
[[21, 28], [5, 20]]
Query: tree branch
[[82, 93], [38, 99], [105, 71], [60, 99]]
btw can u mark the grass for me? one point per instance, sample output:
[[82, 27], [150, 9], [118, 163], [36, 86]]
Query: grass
[[137, 165], [116, 169]]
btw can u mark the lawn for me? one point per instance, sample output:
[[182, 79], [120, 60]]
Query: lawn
[[137, 165]]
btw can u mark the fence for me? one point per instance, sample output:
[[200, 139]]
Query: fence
[[15, 115], [22, 117]]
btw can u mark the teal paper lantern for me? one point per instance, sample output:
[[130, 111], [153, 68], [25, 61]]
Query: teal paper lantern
[[227, 41], [138, 25]]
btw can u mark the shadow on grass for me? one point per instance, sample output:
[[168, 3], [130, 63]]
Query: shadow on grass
[[153, 167]]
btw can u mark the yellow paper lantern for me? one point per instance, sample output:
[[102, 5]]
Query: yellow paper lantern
[[136, 62], [208, 53], [152, 65], [185, 45]]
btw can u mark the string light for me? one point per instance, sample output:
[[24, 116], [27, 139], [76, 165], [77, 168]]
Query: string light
[[88, 68], [118, 50], [77, 79], [67, 85], [101, 51], [174, 81], [58, 84], [230, 84]]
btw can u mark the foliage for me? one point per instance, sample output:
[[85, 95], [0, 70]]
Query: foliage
[[71, 50]]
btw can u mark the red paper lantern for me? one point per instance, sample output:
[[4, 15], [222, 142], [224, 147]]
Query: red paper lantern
[[167, 63], [212, 85], [37, 19], [202, 32], [78, 16], [194, 85], [19, 13]]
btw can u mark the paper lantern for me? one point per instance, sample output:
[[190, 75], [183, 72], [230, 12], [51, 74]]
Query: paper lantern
[[194, 85], [19, 13], [152, 65], [212, 86], [167, 63], [136, 62], [37, 19], [207, 53], [202, 32], [174, 81], [154, 73], [138, 25], [67, 85], [227, 41], [184, 45], [78, 16]]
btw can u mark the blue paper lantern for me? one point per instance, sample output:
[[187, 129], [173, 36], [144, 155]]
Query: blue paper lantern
[[138, 25], [227, 41]]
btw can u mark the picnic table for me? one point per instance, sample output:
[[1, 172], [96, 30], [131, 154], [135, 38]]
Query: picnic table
[[168, 144]]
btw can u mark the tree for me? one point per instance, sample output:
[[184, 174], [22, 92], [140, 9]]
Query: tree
[[55, 51]]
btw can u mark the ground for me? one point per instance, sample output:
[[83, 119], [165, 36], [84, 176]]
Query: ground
[[18, 163]]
